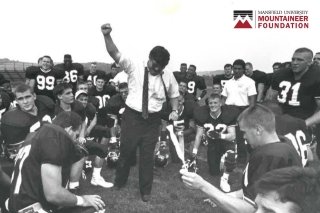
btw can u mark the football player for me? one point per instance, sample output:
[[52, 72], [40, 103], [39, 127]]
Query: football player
[[4, 103], [39, 178], [316, 59], [183, 90], [183, 126], [93, 130], [297, 89], [258, 124], [102, 92], [180, 75], [218, 122], [4, 188], [43, 79], [31, 112], [93, 73], [195, 83], [294, 129], [259, 78], [73, 71], [222, 78]]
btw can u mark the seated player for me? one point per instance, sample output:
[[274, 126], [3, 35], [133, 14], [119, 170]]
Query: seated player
[[218, 122], [91, 121], [184, 126], [31, 112], [44, 162]]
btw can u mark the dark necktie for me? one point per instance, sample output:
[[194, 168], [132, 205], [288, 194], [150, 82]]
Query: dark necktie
[[145, 95]]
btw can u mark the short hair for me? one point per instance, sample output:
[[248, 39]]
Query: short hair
[[66, 119], [60, 88], [95, 63], [20, 88], [239, 62], [160, 55], [227, 65], [183, 64], [249, 64], [273, 106], [304, 50], [276, 64], [317, 53], [101, 77], [214, 96], [295, 184], [258, 115], [183, 80], [194, 66], [67, 56], [39, 60], [123, 85]]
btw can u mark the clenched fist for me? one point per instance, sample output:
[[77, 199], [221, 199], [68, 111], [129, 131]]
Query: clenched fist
[[106, 29]]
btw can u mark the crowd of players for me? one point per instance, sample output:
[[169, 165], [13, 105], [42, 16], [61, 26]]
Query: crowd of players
[[270, 120]]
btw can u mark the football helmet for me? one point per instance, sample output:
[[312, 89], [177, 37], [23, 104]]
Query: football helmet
[[191, 164], [161, 158], [113, 154]]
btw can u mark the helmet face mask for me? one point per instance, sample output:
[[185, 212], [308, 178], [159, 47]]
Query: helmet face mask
[[113, 154], [161, 158]]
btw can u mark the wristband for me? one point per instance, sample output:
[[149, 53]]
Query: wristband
[[223, 136], [80, 201], [195, 151]]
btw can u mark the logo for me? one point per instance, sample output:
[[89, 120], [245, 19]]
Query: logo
[[243, 18], [271, 19]]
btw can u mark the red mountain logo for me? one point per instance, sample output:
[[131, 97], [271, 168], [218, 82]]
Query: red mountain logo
[[243, 18], [245, 24]]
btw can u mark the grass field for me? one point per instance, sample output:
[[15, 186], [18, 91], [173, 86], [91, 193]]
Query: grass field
[[169, 194]]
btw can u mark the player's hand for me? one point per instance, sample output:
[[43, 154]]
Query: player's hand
[[191, 180], [213, 134], [106, 29], [173, 116], [93, 200]]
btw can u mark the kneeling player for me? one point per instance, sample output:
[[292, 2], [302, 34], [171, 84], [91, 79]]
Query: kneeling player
[[218, 122]]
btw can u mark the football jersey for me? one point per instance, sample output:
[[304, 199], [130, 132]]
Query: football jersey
[[17, 124], [221, 79], [184, 116], [52, 145], [295, 130], [297, 97], [179, 75], [259, 77], [104, 95], [5, 103], [93, 77], [44, 81], [76, 107], [264, 159], [228, 117], [72, 73], [194, 84]]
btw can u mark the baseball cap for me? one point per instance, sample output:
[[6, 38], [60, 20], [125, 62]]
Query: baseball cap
[[80, 92]]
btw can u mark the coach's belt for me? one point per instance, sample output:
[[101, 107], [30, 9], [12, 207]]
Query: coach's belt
[[33, 208]]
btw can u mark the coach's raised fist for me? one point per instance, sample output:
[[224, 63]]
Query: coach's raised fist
[[106, 29]]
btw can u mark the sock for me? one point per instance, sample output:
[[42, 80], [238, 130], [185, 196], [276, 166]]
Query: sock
[[73, 185], [96, 172], [225, 175]]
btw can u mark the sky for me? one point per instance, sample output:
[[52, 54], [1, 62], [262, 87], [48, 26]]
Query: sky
[[199, 32]]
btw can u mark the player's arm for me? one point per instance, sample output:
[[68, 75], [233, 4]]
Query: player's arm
[[223, 200], [57, 195], [260, 90], [191, 129], [197, 140], [252, 100], [231, 135], [271, 94], [91, 125], [315, 118], [31, 82], [4, 179], [111, 47], [203, 93], [174, 106]]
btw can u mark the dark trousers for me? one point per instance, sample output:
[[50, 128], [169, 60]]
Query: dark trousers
[[137, 132], [215, 151]]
